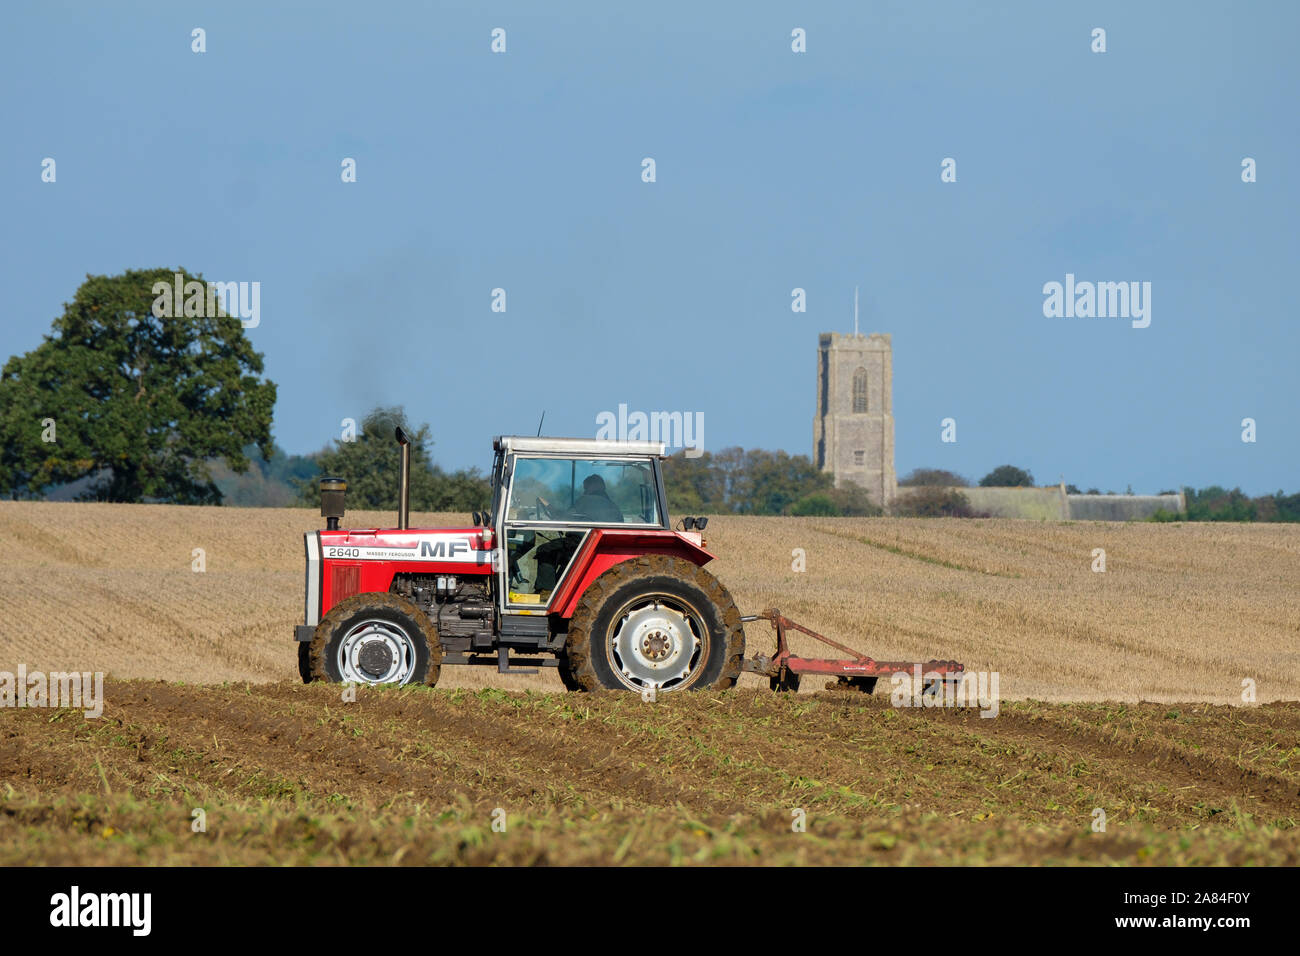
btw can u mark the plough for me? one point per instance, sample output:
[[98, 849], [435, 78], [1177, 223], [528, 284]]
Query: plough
[[858, 672]]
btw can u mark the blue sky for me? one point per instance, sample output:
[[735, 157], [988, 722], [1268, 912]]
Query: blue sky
[[775, 170]]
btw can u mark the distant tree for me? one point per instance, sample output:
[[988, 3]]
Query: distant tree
[[136, 405], [268, 483], [371, 465], [933, 476], [818, 504], [1093, 491], [1007, 476], [932, 501], [757, 482], [1218, 504], [729, 465], [773, 481], [466, 489], [694, 485], [1072, 490], [1264, 508], [1288, 506], [848, 500], [851, 500]]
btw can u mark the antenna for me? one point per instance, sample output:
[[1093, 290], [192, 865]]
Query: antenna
[[539, 423], [855, 310]]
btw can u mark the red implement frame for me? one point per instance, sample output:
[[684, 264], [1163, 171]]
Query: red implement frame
[[858, 672]]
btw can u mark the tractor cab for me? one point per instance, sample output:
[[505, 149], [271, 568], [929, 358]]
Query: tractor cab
[[550, 494]]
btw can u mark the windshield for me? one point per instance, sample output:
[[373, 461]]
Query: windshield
[[584, 491]]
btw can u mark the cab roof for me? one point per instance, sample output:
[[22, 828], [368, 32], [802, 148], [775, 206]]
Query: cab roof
[[578, 447]]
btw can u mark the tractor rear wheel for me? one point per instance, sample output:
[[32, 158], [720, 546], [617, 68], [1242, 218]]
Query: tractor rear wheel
[[375, 638], [566, 674], [654, 624], [304, 661]]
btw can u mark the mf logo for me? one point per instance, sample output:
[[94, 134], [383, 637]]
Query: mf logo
[[444, 548]]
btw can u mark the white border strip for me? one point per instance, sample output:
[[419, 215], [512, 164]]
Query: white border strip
[[311, 609]]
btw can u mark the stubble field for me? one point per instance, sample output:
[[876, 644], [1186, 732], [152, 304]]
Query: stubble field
[[1122, 692]]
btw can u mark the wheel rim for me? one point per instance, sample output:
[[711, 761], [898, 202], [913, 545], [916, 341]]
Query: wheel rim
[[376, 652], [656, 642]]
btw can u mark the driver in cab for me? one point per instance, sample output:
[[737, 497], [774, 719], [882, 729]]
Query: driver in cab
[[594, 504]]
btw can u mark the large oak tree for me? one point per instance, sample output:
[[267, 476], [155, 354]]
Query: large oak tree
[[134, 402]]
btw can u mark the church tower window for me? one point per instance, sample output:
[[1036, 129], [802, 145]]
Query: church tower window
[[860, 391]]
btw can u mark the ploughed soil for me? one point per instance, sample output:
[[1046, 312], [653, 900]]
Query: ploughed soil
[[281, 772]]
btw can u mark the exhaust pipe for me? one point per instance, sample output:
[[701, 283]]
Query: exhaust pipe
[[404, 482]]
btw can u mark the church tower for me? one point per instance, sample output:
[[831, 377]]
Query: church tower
[[853, 433]]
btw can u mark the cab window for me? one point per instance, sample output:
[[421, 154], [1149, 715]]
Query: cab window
[[583, 491]]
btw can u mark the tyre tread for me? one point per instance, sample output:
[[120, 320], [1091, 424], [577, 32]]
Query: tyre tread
[[373, 599], [578, 643]]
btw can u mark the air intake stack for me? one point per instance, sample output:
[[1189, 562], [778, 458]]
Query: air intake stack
[[332, 493]]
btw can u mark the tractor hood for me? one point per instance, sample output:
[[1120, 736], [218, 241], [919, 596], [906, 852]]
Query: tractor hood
[[449, 550]]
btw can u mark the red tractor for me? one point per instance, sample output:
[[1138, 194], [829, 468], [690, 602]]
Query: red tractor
[[575, 566]]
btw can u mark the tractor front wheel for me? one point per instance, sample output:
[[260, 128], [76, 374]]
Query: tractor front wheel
[[375, 638], [654, 624]]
